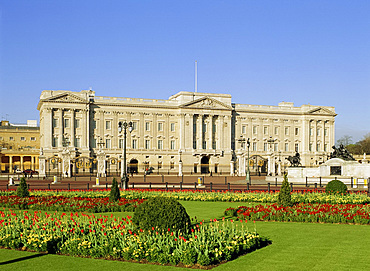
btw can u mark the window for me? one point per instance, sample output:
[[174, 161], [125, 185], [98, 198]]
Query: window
[[276, 130], [120, 143], [286, 131], [160, 126], [147, 144], [296, 131], [55, 142], [77, 123], [172, 127], [108, 125], [159, 164], [254, 146], [310, 147], [134, 143], [244, 129], [276, 146], [286, 146], [147, 126], [318, 147], [33, 138], [296, 147], [265, 130], [265, 146], [160, 144], [107, 143], [11, 138], [23, 138], [78, 142], [172, 144], [325, 147], [55, 123], [172, 165], [318, 132], [134, 125], [66, 123], [325, 131], [254, 129], [311, 131]]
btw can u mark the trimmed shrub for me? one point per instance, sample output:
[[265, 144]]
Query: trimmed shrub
[[114, 195], [336, 187], [231, 212], [22, 190], [284, 197], [161, 213]]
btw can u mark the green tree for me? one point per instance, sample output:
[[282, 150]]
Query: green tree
[[284, 197], [22, 190], [115, 194]]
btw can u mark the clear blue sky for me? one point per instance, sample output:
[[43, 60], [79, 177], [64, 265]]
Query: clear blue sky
[[261, 52]]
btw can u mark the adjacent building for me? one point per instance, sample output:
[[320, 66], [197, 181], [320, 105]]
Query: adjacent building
[[19, 146], [189, 133]]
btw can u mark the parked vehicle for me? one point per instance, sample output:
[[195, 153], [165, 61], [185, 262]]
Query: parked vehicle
[[30, 171], [18, 171]]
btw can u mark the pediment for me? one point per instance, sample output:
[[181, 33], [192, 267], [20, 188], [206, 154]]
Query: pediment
[[322, 111], [206, 103], [66, 98]]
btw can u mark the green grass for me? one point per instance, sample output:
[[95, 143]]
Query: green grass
[[296, 246]]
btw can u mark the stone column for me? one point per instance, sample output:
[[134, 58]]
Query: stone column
[[21, 157], [241, 161], [188, 132], [115, 130], [210, 130], [232, 168], [73, 119], [66, 161], [101, 163], [42, 164], [167, 128], [47, 128], [10, 164], [60, 126], [200, 132], [182, 131], [220, 132]]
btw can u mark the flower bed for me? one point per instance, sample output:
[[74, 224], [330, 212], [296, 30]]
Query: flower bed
[[325, 213], [238, 196], [115, 238], [62, 203]]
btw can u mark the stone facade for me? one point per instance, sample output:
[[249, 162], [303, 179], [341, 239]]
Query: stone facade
[[205, 131]]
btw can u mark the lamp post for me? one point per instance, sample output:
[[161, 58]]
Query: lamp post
[[123, 126], [247, 177]]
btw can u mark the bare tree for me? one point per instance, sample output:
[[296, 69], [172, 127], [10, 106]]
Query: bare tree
[[345, 140]]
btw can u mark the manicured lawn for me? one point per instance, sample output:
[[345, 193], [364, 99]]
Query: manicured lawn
[[296, 246]]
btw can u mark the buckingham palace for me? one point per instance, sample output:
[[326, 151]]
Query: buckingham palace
[[189, 133]]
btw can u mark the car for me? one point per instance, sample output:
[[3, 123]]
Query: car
[[17, 170], [30, 171]]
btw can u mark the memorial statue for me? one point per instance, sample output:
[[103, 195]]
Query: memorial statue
[[342, 153], [295, 161]]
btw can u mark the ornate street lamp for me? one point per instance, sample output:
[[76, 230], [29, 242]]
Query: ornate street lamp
[[123, 126]]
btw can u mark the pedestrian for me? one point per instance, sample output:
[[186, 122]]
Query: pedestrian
[[31, 174]]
